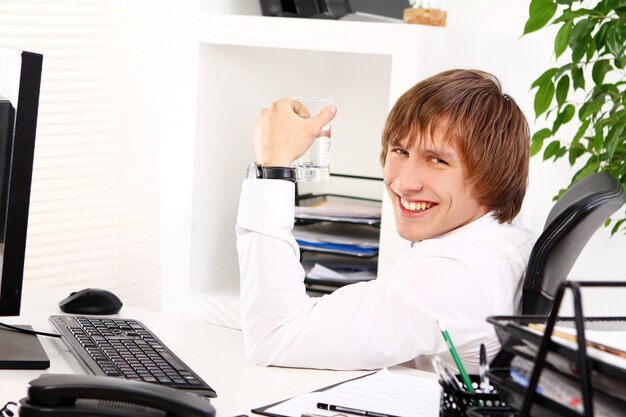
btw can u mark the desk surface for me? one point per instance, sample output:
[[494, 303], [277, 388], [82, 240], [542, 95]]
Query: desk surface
[[214, 352]]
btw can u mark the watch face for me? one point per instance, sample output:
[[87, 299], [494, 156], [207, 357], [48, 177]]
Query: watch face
[[251, 171]]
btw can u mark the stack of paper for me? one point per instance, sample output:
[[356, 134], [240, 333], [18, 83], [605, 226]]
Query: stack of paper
[[354, 211]]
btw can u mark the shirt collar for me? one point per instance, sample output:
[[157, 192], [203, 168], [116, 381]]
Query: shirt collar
[[479, 223]]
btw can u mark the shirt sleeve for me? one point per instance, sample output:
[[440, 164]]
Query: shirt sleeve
[[367, 325]]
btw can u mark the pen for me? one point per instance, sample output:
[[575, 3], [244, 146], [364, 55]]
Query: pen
[[349, 410], [452, 378], [482, 370], [455, 356], [446, 376], [436, 361]]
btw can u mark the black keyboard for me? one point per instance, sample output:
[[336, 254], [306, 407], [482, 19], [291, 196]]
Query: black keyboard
[[125, 348]]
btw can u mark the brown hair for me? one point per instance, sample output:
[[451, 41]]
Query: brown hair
[[487, 127]]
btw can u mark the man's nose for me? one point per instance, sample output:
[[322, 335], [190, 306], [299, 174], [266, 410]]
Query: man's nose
[[411, 178]]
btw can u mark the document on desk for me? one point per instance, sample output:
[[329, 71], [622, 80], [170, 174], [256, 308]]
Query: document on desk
[[385, 392]]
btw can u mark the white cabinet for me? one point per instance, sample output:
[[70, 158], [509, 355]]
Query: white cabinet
[[246, 62]]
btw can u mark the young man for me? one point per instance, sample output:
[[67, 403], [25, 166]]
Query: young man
[[455, 156]]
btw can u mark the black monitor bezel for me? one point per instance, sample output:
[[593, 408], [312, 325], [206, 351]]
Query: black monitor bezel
[[20, 177]]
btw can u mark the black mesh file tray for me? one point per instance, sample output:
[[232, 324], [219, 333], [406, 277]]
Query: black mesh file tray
[[570, 348], [517, 332]]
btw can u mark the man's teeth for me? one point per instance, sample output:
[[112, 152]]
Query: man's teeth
[[413, 206]]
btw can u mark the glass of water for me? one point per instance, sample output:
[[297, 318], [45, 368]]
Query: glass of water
[[314, 165]]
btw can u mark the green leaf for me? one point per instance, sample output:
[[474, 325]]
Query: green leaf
[[551, 150], [563, 117], [543, 98], [579, 134], [560, 42], [535, 147], [621, 12], [579, 38], [591, 107], [578, 78], [540, 13], [544, 78], [541, 134], [568, 113], [537, 140], [600, 68], [568, 2], [573, 14], [574, 153], [562, 88], [613, 139], [591, 49], [600, 37], [605, 6], [598, 140], [616, 226], [615, 40], [620, 62], [564, 69], [590, 167], [559, 194]]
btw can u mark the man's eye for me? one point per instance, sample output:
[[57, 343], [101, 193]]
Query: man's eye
[[400, 151], [438, 161]]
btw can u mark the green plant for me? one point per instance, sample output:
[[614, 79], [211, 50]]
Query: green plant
[[595, 34]]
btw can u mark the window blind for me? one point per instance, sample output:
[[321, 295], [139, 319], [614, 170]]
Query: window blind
[[94, 204]]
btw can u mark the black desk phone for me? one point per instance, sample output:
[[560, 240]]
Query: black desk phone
[[57, 395]]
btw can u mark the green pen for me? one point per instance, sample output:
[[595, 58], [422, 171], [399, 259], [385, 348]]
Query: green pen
[[457, 360]]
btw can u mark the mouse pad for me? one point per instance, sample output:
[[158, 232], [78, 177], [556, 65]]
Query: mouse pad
[[21, 350]]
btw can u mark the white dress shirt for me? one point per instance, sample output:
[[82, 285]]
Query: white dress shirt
[[460, 278]]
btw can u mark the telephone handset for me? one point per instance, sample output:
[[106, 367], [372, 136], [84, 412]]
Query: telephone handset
[[56, 395]]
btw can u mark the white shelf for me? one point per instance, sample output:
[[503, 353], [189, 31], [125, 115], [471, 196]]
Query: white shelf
[[246, 62], [310, 34]]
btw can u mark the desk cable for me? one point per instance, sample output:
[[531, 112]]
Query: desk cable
[[6, 412], [27, 331]]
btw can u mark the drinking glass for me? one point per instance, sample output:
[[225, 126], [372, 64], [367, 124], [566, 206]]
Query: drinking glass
[[314, 165]]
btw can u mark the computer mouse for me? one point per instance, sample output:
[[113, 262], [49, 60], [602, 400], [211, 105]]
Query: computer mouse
[[91, 301]]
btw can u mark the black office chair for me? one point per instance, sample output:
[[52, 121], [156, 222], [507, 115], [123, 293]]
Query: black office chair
[[572, 221]]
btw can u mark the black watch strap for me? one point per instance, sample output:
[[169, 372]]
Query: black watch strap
[[276, 173]]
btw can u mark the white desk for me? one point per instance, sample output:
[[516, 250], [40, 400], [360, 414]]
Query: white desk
[[214, 352]]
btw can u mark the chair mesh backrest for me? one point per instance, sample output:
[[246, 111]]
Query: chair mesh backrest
[[572, 221]]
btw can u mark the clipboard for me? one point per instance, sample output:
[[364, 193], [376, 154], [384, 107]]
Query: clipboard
[[263, 410]]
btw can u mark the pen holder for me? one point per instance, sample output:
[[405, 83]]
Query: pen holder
[[455, 402]]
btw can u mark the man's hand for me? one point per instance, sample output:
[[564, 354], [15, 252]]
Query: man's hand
[[283, 132]]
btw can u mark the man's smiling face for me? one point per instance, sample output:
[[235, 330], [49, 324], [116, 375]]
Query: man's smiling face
[[428, 190]]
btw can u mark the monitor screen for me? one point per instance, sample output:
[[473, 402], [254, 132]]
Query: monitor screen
[[20, 79]]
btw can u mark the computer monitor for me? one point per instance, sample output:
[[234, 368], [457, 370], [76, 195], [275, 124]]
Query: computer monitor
[[20, 79]]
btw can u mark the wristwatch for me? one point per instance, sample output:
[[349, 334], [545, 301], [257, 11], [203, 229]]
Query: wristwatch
[[255, 170]]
